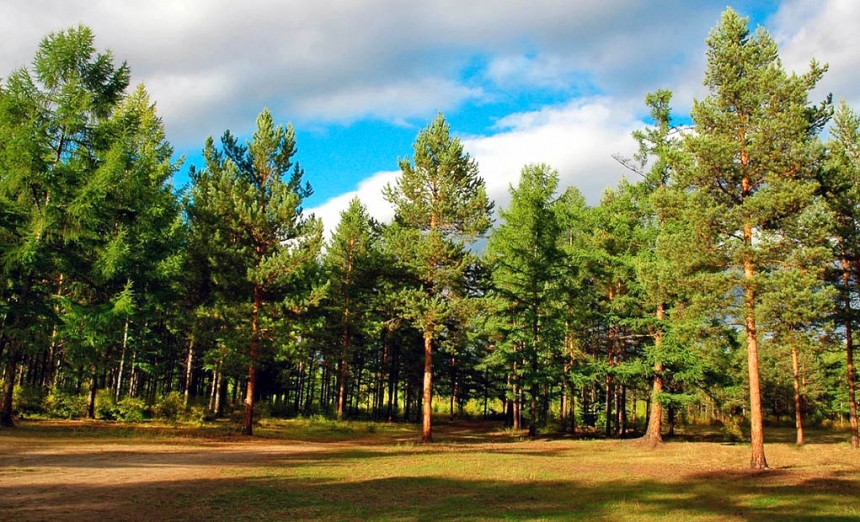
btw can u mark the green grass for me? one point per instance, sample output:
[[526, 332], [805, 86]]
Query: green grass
[[324, 470]]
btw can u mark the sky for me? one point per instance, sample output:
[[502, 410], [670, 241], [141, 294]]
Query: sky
[[549, 81]]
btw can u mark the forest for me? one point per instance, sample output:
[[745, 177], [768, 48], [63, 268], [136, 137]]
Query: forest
[[719, 283]]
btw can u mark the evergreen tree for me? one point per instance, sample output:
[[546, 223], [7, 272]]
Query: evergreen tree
[[58, 150], [440, 205], [260, 242], [526, 259], [351, 263], [754, 158], [841, 190]]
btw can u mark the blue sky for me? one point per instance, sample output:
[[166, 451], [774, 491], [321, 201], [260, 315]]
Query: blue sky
[[560, 82]]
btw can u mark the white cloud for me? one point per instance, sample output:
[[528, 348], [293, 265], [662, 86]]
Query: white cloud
[[369, 191], [577, 139], [213, 64], [827, 32], [393, 102]]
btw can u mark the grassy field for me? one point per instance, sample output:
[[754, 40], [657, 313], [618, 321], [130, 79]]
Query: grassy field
[[307, 470]]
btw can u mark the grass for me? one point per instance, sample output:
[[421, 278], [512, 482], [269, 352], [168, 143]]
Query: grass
[[324, 470]]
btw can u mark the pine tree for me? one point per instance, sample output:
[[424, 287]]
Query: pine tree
[[440, 205], [841, 183], [753, 168], [251, 196]]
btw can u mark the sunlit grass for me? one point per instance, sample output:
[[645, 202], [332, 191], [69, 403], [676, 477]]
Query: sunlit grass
[[314, 469]]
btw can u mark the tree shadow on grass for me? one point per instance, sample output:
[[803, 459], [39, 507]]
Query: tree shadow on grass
[[727, 496]]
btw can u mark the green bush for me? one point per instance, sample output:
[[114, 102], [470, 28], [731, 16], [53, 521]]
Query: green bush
[[169, 407], [132, 409], [106, 406], [128, 409], [66, 405], [732, 431], [30, 400]]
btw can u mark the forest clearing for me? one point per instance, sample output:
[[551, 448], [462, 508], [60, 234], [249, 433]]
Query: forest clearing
[[326, 470]]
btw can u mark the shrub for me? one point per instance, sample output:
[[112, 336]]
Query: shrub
[[65, 405], [105, 405], [732, 431], [132, 409], [128, 409], [169, 406], [30, 400]]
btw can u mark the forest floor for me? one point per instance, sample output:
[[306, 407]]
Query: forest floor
[[306, 470]]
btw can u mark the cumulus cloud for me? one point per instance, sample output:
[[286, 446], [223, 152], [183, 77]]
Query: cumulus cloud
[[369, 191], [578, 139], [825, 31], [212, 64]]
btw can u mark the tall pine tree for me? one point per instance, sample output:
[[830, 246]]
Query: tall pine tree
[[753, 165], [440, 205]]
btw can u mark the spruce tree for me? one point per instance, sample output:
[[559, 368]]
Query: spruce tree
[[352, 265], [58, 149]]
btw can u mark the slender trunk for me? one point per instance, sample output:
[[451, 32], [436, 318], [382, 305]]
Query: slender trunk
[[670, 420], [120, 371], [798, 410], [6, 419], [91, 397], [849, 349], [562, 409], [427, 411], [655, 416], [453, 389], [248, 427], [515, 399], [342, 373], [757, 458], [214, 390], [189, 361]]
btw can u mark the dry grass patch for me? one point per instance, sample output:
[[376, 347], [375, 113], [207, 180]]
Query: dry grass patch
[[307, 471]]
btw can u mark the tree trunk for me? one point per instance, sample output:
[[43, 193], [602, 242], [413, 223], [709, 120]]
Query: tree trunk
[[757, 458], [798, 407], [91, 396], [6, 418], [188, 369], [248, 426], [121, 370], [427, 411], [655, 416], [451, 412], [515, 388], [342, 373], [849, 350]]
